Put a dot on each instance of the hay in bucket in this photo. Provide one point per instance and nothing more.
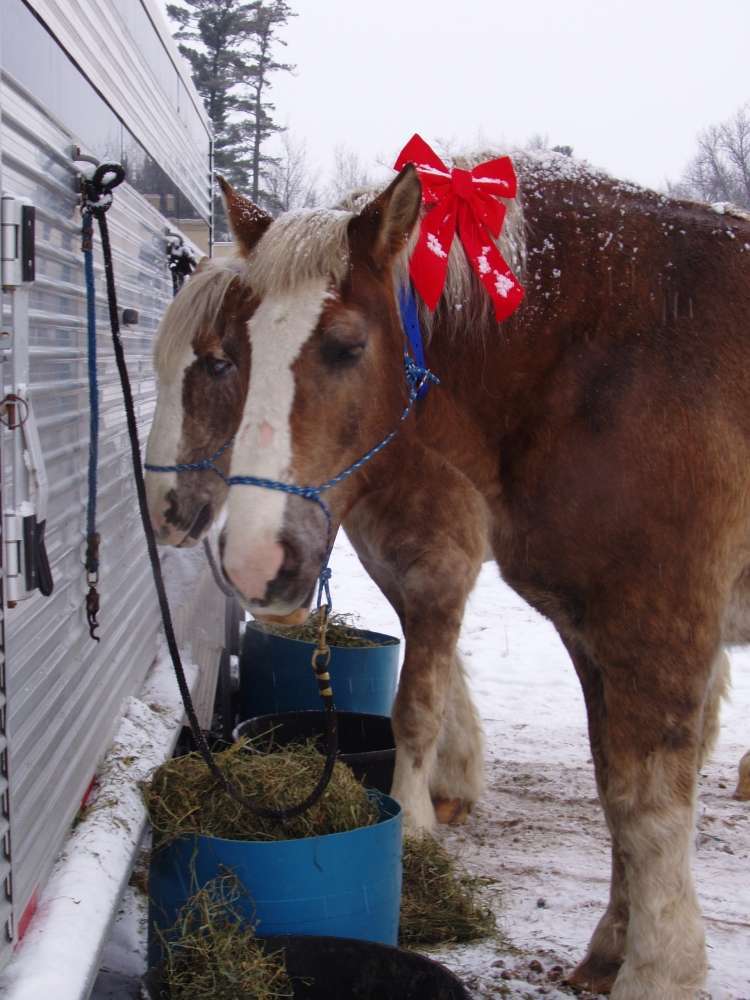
(183, 798)
(439, 903)
(212, 954)
(341, 631)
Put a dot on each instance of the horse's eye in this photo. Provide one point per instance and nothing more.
(340, 352)
(218, 367)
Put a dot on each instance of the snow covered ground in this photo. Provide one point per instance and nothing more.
(539, 833)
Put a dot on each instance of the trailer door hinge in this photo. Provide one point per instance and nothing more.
(26, 564)
(17, 252)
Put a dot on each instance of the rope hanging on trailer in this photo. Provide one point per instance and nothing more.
(96, 197)
(97, 200)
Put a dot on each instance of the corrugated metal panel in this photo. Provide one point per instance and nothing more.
(65, 692)
(117, 48)
(6, 881)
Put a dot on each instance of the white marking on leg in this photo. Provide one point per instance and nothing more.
(458, 771)
(278, 330)
(411, 789)
(665, 941)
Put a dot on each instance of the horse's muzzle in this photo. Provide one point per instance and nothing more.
(277, 576)
(177, 523)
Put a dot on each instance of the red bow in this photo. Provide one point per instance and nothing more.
(466, 200)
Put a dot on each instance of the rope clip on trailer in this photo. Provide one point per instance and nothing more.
(97, 181)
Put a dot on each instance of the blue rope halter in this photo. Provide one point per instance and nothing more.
(418, 380)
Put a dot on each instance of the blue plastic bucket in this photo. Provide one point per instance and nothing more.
(341, 969)
(276, 674)
(338, 885)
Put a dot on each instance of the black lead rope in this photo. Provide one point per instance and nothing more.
(97, 199)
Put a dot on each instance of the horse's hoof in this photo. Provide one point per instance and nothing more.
(742, 791)
(451, 811)
(595, 975)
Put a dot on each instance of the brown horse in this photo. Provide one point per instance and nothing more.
(600, 439)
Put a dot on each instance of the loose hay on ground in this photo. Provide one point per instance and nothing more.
(183, 798)
(341, 631)
(439, 904)
(211, 954)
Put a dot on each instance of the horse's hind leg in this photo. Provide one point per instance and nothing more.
(650, 737)
(742, 791)
(737, 631)
(718, 690)
(606, 952)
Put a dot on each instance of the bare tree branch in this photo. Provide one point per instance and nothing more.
(289, 181)
(720, 170)
(349, 173)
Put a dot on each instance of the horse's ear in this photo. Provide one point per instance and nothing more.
(384, 226)
(246, 220)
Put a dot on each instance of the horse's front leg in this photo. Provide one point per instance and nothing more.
(457, 778)
(419, 710)
(426, 563)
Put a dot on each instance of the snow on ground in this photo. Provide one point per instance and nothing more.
(539, 834)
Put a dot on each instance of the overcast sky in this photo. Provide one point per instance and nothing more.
(627, 83)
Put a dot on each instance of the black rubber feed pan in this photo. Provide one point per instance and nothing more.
(366, 742)
(342, 969)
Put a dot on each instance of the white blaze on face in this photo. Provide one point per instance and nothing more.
(263, 447)
(164, 437)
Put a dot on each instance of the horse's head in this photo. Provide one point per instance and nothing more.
(293, 352)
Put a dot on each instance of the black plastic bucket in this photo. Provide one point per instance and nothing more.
(342, 969)
(366, 742)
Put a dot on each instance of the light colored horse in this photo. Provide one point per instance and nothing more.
(600, 439)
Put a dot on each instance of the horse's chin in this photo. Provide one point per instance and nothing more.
(284, 612)
(286, 607)
(298, 617)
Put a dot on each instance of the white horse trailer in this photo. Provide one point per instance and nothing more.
(105, 78)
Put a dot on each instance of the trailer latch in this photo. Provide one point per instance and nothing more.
(17, 252)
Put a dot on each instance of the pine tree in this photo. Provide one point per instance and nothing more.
(269, 18)
(229, 44)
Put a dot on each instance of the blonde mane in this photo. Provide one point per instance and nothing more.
(301, 246)
(197, 307)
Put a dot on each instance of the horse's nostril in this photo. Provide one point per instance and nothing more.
(201, 521)
(292, 558)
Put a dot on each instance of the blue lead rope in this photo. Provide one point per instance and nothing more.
(418, 380)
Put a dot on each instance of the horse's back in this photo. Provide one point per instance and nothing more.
(631, 471)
